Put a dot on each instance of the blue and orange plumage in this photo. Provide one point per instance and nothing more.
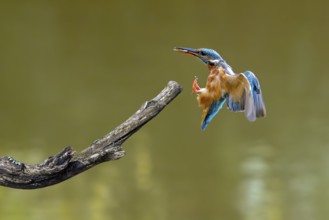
(241, 91)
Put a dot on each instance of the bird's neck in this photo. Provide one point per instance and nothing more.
(215, 68)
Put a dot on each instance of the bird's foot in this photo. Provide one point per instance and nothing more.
(195, 86)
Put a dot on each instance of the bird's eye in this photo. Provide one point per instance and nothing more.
(202, 53)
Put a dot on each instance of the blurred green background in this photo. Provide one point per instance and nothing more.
(71, 71)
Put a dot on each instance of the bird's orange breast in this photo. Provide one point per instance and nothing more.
(213, 90)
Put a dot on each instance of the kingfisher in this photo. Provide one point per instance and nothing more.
(240, 91)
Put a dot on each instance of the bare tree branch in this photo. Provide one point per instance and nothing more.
(68, 163)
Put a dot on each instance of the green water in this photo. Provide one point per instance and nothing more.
(72, 71)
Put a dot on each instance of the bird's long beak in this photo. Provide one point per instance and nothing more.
(189, 51)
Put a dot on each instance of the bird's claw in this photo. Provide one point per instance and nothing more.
(195, 86)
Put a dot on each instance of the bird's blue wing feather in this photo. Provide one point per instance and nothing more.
(236, 99)
(247, 96)
(254, 107)
(235, 106)
(213, 110)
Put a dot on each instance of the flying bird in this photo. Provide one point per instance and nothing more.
(241, 91)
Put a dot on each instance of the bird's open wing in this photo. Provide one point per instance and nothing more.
(213, 110)
(244, 94)
(256, 92)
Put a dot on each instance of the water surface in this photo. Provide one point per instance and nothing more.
(71, 72)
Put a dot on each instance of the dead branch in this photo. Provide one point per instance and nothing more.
(68, 163)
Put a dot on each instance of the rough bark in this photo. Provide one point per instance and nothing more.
(68, 163)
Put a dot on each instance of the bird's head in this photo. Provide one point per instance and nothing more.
(208, 56)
